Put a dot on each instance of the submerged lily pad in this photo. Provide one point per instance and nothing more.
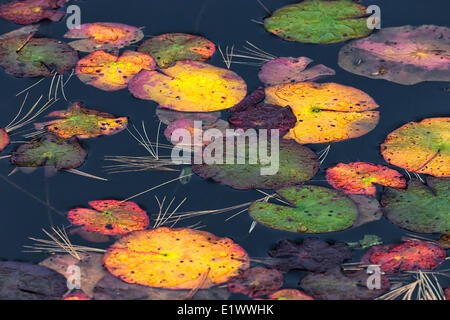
(4, 139)
(326, 112)
(315, 210)
(171, 47)
(30, 11)
(257, 281)
(50, 150)
(289, 294)
(111, 217)
(405, 55)
(420, 208)
(360, 177)
(21, 32)
(83, 123)
(167, 116)
(103, 36)
(318, 21)
(175, 258)
(108, 72)
(24, 57)
(190, 86)
(369, 209)
(421, 147)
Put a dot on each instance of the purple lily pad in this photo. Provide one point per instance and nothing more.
(30, 11)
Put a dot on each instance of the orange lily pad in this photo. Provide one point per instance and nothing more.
(326, 112)
(289, 294)
(421, 147)
(108, 72)
(175, 258)
(257, 281)
(190, 86)
(4, 139)
(111, 217)
(360, 177)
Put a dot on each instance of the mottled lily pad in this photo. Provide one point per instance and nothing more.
(30, 11)
(318, 21)
(190, 86)
(289, 294)
(257, 281)
(405, 55)
(50, 150)
(24, 57)
(314, 209)
(420, 208)
(171, 47)
(421, 147)
(4, 139)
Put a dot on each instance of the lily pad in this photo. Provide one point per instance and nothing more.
(326, 112)
(110, 217)
(103, 36)
(369, 209)
(444, 241)
(405, 55)
(83, 123)
(4, 139)
(175, 258)
(360, 177)
(257, 281)
(318, 21)
(24, 57)
(314, 209)
(21, 32)
(421, 147)
(77, 295)
(420, 208)
(289, 294)
(190, 86)
(50, 150)
(108, 72)
(171, 47)
(30, 11)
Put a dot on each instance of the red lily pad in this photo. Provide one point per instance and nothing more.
(408, 256)
(257, 281)
(110, 217)
(289, 294)
(4, 139)
(30, 11)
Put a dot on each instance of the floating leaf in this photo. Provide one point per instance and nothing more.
(289, 294)
(30, 11)
(49, 150)
(190, 86)
(27, 281)
(317, 21)
(287, 69)
(368, 241)
(408, 256)
(24, 57)
(315, 210)
(4, 139)
(167, 116)
(420, 208)
(406, 55)
(311, 255)
(326, 112)
(108, 72)
(77, 295)
(83, 123)
(444, 241)
(257, 281)
(360, 177)
(421, 147)
(103, 36)
(171, 47)
(110, 217)
(369, 209)
(21, 32)
(175, 258)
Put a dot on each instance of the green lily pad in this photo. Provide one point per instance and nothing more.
(420, 208)
(318, 21)
(315, 209)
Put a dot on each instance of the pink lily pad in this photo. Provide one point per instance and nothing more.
(30, 11)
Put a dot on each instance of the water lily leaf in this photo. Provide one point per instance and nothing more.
(368, 241)
(369, 209)
(83, 123)
(287, 69)
(421, 147)
(289, 294)
(30, 11)
(4, 139)
(405, 55)
(89, 236)
(110, 217)
(27, 281)
(23, 57)
(444, 241)
(175, 258)
(326, 112)
(190, 86)
(103, 36)
(360, 177)
(21, 32)
(77, 295)
(167, 116)
(257, 281)
(108, 72)
(408, 256)
(336, 285)
(171, 47)
(313, 255)
(318, 21)
(296, 164)
(315, 210)
(420, 208)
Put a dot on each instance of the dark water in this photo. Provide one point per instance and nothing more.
(224, 23)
